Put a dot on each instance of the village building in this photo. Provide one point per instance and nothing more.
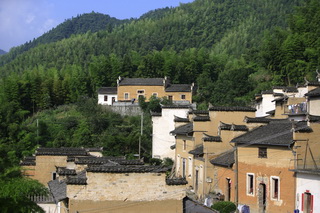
(80, 179)
(130, 89)
(162, 124)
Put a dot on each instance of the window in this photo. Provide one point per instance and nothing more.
(250, 184)
(105, 98)
(190, 167)
(184, 144)
(54, 175)
(170, 98)
(275, 188)
(262, 152)
(184, 166)
(183, 97)
(126, 96)
(140, 91)
(155, 94)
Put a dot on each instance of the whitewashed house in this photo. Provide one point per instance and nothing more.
(162, 124)
(107, 95)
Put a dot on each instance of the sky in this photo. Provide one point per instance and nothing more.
(24, 20)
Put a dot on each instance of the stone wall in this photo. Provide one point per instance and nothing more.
(125, 186)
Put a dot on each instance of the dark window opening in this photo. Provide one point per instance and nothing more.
(262, 152)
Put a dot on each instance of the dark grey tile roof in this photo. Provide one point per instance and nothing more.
(70, 151)
(313, 93)
(58, 189)
(271, 112)
(197, 151)
(94, 149)
(176, 181)
(128, 169)
(183, 130)
(179, 119)
(209, 138)
(65, 171)
(302, 126)
(28, 161)
(267, 92)
(278, 94)
(281, 99)
(79, 179)
(201, 118)
(232, 108)
(232, 127)
(128, 162)
(275, 133)
(92, 160)
(107, 90)
(290, 89)
(225, 160)
(257, 120)
(313, 83)
(178, 88)
(141, 81)
(199, 112)
(176, 106)
(156, 114)
(313, 118)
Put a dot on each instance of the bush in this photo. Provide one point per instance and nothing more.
(224, 207)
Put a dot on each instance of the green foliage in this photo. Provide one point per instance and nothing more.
(224, 207)
(155, 161)
(16, 190)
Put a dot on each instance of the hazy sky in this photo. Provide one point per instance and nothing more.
(23, 20)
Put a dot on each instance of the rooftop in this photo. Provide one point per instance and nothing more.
(179, 119)
(179, 88)
(313, 93)
(225, 160)
(201, 118)
(64, 151)
(107, 90)
(128, 169)
(232, 108)
(232, 127)
(197, 151)
(209, 138)
(141, 81)
(183, 130)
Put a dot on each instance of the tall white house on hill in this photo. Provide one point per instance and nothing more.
(163, 123)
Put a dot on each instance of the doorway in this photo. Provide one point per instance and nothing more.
(262, 196)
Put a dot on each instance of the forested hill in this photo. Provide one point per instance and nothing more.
(231, 49)
(227, 26)
(2, 52)
(80, 24)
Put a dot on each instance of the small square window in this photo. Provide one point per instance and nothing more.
(183, 97)
(262, 152)
(105, 98)
(140, 91)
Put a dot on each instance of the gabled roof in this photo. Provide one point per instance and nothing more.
(275, 133)
(141, 82)
(65, 171)
(312, 83)
(313, 93)
(58, 189)
(209, 138)
(28, 161)
(302, 126)
(257, 120)
(64, 151)
(232, 127)
(225, 160)
(232, 108)
(179, 119)
(201, 118)
(183, 130)
(197, 151)
(178, 88)
(176, 181)
(107, 90)
(313, 118)
(176, 106)
(79, 179)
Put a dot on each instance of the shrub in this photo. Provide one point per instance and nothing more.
(224, 206)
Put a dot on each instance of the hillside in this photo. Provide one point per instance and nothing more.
(2, 52)
(81, 24)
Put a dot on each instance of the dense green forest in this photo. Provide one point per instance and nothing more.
(230, 49)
